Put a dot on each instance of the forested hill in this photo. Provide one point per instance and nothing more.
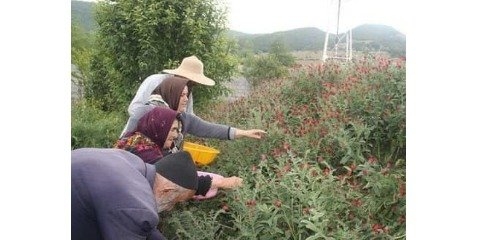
(366, 37)
(82, 13)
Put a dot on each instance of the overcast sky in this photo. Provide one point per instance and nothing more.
(264, 16)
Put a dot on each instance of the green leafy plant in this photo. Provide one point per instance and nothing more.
(272, 65)
(136, 40)
(92, 127)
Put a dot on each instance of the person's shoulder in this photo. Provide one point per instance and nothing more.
(187, 115)
(157, 76)
(141, 110)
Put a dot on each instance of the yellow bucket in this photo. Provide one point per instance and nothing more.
(202, 155)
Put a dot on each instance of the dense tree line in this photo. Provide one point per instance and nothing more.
(135, 40)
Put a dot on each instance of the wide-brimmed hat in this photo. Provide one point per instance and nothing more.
(192, 68)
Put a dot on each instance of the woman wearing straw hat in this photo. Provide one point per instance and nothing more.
(176, 90)
(173, 93)
(190, 68)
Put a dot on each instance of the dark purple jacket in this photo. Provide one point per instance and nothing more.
(112, 196)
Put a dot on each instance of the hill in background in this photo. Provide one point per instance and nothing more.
(366, 38)
(82, 13)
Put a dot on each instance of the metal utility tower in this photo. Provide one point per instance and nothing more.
(343, 43)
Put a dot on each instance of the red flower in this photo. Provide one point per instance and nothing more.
(277, 203)
(306, 210)
(356, 202)
(225, 207)
(251, 203)
(326, 171)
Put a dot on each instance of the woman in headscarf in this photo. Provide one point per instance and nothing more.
(154, 138)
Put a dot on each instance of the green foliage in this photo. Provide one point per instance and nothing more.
(371, 38)
(92, 127)
(273, 65)
(258, 68)
(281, 53)
(135, 40)
(311, 39)
(331, 167)
(81, 44)
(80, 41)
(289, 197)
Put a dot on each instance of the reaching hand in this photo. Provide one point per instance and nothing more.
(251, 133)
(232, 182)
(229, 182)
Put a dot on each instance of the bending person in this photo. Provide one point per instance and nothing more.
(115, 195)
(155, 136)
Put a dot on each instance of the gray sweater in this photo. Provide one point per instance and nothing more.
(192, 124)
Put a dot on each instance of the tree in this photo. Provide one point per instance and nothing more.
(275, 64)
(80, 53)
(80, 42)
(263, 67)
(281, 53)
(138, 38)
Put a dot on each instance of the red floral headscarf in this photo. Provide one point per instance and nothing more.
(150, 135)
(141, 146)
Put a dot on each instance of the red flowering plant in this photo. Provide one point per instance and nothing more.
(333, 165)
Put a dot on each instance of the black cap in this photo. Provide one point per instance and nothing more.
(179, 168)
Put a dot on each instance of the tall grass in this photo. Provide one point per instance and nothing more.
(92, 127)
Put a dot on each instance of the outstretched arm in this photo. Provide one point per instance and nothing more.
(209, 183)
(200, 128)
(251, 133)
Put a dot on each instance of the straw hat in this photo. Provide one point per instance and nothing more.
(192, 68)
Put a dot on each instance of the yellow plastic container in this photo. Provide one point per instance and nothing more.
(202, 155)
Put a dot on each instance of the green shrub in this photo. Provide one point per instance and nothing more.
(135, 40)
(92, 127)
(263, 67)
(273, 65)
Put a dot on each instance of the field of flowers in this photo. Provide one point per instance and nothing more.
(332, 166)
